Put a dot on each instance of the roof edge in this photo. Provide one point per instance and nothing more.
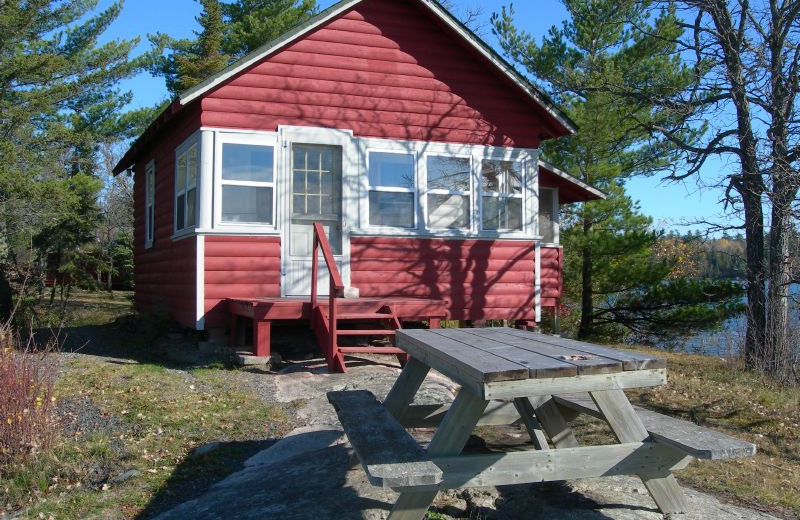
(574, 180)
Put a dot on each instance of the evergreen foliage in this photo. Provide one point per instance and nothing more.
(59, 104)
(228, 31)
(614, 271)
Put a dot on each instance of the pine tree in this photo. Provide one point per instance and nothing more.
(228, 31)
(58, 102)
(612, 268)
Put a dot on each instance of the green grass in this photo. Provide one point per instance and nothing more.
(164, 415)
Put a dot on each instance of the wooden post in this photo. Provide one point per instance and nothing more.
(261, 337)
(405, 387)
(314, 262)
(449, 440)
(628, 427)
(434, 323)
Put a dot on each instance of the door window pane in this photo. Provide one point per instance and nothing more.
(448, 173)
(247, 162)
(391, 170)
(247, 204)
(391, 209)
(448, 211)
(502, 213)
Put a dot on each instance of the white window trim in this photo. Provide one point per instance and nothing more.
(456, 154)
(258, 139)
(399, 149)
(515, 157)
(149, 186)
(554, 216)
(183, 148)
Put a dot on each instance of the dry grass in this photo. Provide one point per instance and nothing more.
(717, 394)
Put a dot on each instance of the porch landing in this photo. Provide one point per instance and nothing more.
(263, 311)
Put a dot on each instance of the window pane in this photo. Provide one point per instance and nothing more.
(181, 180)
(247, 204)
(247, 162)
(448, 173)
(150, 223)
(391, 169)
(502, 213)
(448, 211)
(180, 212)
(546, 226)
(501, 176)
(191, 196)
(191, 167)
(391, 209)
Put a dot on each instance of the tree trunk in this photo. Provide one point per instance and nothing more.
(756, 304)
(587, 294)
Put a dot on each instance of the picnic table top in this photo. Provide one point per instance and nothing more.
(488, 355)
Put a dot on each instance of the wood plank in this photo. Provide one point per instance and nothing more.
(553, 421)
(627, 427)
(462, 363)
(497, 413)
(697, 441)
(585, 363)
(579, 383)
(405, 387)
(448, 441)
(552, 465)
(390, 456)
(629, 360)
(538, 365)
(531, 423)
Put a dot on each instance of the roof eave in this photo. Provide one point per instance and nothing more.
(574, 180)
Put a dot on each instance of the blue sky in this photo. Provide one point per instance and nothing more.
(670, 204)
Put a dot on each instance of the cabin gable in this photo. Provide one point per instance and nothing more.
(382, 69)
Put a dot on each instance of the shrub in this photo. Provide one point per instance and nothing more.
(27, 419)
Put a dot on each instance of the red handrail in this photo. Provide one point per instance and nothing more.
(336, 285)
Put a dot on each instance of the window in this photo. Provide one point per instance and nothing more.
(501, 188)
(392, 192)
(548, 215)
(247, 183)
(149, 203)
(448, 192)
(186, 189)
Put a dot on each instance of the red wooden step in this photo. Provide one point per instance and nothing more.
(371, 350)
(363, 316)
(364, 332)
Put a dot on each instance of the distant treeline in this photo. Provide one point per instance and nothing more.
(724, 257)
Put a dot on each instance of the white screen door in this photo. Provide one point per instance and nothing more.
(316, 196)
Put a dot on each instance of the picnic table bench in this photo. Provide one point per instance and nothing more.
(509, 375)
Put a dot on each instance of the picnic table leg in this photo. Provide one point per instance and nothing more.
(528, 415)
(553, 421)
(627, 427)
(405, 388)
(449, 440)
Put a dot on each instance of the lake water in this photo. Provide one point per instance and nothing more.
(725, 342)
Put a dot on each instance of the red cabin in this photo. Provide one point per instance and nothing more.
(411, 143)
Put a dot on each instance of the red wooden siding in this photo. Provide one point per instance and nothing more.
(551, 259)
(478, 279)
(165, 274)
(239, 267)
(384, 69)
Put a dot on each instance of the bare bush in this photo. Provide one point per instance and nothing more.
(27, 419)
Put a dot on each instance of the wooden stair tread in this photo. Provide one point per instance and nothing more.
(364, 349)
(364, 316)
(365, 332)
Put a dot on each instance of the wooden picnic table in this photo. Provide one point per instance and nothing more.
(544, 381)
